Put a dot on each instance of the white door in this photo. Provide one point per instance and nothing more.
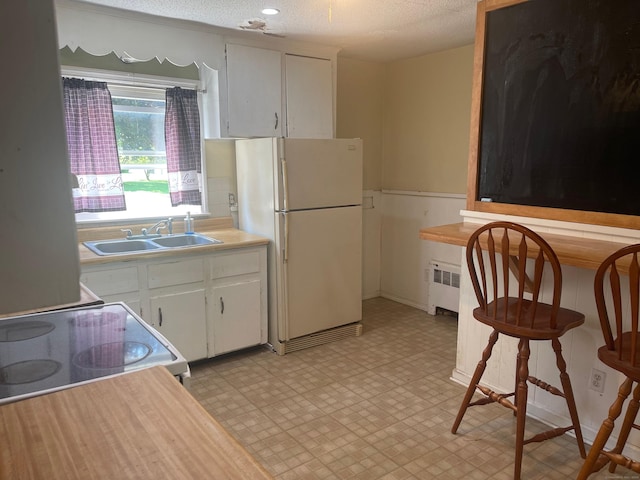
(254, 87)
(236, 316)
(321, 270)
(318, 173)
(309, 96)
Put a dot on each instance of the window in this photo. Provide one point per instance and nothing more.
(139, 120)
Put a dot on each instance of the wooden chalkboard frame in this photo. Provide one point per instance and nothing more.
(575, 216)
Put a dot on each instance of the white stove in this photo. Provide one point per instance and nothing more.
(45, 352)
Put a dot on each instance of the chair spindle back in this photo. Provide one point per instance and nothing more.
(623, 261)
(507, 246)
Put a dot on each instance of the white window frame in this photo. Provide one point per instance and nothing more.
(122, 81)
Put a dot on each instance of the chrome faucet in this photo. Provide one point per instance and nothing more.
(167, 222)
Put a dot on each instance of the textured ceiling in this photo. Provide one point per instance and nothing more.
(375, 30)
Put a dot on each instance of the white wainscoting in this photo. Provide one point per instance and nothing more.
(403, 257)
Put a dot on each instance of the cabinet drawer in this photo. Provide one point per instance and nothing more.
(236, 264)
(112, 281)
(175, 273)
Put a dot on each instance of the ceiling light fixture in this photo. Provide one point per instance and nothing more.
(270, 11)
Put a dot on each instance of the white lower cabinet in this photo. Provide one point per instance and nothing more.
(182, 319)
(205, 305)
(117, 283)
(236, 316)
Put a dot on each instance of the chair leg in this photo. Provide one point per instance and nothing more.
(629, 419)
(605, 430)
(516, 380)
(568, 393)
(521, 403)
(477, 375)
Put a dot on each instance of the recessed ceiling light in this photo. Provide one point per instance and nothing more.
(270, 11)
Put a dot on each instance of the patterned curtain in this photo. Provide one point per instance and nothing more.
(91, 140)
(182, 141)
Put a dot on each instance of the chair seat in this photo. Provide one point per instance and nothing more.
(623, 365)
(540, 330)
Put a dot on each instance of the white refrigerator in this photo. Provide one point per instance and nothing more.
(305, 195)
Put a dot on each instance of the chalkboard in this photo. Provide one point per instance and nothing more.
(560, 118)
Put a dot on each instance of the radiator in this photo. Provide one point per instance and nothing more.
(443, 287)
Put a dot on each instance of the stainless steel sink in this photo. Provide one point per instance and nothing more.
(119, 247)
(186, 240)
(124, 246)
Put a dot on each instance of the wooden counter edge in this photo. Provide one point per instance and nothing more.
(571, 250)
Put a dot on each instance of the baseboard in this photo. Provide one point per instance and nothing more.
(404, 301)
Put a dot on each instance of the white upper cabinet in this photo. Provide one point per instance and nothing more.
(254, 88)
(309, 97)
(273, 94)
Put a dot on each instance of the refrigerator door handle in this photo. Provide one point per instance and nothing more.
(285, 250)
(285, 185)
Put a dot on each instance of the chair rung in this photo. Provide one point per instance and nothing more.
(545, 386)
(492, 396)
(623, 461)
(549, 434)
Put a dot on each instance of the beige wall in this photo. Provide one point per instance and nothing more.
(413, 116)
(360, 100)
(426, 122)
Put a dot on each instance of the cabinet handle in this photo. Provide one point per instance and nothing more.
(277, 121)
(160, 316)
(221, 306)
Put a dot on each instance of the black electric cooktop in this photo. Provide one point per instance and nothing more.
(44, 352)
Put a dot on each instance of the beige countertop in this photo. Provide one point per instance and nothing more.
(140, 425)
(218, 228)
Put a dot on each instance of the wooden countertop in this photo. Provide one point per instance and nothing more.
(219, 228)
(140, 425)
(574, 251)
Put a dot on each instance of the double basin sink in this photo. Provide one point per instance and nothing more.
(141, 245)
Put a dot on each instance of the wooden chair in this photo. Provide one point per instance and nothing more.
(621, 352)
(494, 252)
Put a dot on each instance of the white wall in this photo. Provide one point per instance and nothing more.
(404, 256)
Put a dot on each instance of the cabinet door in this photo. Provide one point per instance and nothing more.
(236, 316)
(181, 318)
(309, 97)
(115, 284)
(254, 88)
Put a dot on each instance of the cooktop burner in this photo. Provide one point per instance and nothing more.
(111, 355)
(25, 330)
(28, 371)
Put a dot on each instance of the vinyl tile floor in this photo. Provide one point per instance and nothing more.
(378, 406)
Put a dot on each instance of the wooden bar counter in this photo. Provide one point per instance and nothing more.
(140, 425)
(573, 251)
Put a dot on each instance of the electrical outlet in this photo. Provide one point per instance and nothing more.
(596, 382)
